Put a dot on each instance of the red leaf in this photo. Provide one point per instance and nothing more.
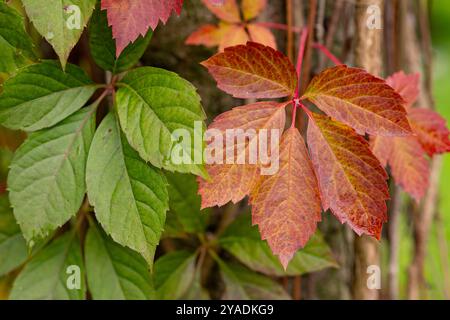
(360, 100)
(232, 182)
(252, 8)
(405, 85)
(351, 179)
(208, 35)
(286, 206)
(407, 161)
(131, 18)
(262, 35)
(253, 71)
(233, 36)
(226, 10)
(431, 130)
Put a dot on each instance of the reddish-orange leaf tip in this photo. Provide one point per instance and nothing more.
(405, 85)
(431, 130)
(286, 205)
(233, 181)
(208, 35)
(351, 180)
(360, 100)
(131, 18)
(253, 71)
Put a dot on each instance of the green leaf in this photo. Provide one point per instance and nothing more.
(195, 290)
(47, 176)
(129, 196)
(152, 103)
(60, 22)
(16, 48)
(243, 284)
(174, 273)
(41, 95)
(48, 274)
(184, 203)
(244, 242)
(103, 46)
(115, 272)
(13, 248)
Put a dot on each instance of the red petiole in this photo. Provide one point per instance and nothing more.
(296, 101)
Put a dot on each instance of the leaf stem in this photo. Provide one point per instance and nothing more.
(327, 53)
(301, 52)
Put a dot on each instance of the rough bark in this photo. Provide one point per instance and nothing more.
(368, 55)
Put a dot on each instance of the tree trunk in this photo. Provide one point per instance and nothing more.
(368, 55)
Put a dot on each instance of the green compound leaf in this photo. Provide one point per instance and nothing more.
(174, 273)
(129, 196)
(16, 47)
(13, 248)
(243, 284)
(41, 95)
(52, 274)
(47, 176)
(152, 104)
(244, 242)
(196, 290)
(115, 272)
(184, 204)
(60, 22)
(103, 46)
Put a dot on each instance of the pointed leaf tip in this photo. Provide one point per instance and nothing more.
(253, 71)
(360, 100)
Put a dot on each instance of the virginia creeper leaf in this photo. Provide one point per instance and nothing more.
(129, 196)
(195, 290)
(184, 202)
(153, 103)
(360, 100)
(252, 8)
(261, 35)
(286, 206)
(232, 181)
(46, 179)
(253, 71)
(13, 248)
(405, 85)
(131, 18)
(243, 284)
(208, 35)
(351, 180)
(232, 36)
(174, 273)
(226, 10)
(244, 242)
(45, 277)
(60, 22)
(42, 94)
(431, 130)
(103, 46)
(16, 47)
(406, 158)
(114, 272)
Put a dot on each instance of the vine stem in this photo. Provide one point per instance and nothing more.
(327, 53)
(301, 53)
